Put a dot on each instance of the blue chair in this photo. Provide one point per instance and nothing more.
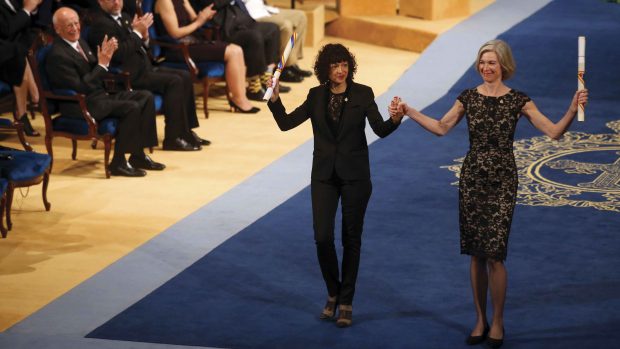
(7, 105)
(23, 169)
(207, 72)
(74, 127)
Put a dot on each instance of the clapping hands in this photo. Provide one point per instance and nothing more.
(142, 24)
(106, 50)
(31, 5)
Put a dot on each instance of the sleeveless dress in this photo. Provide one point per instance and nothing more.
(488, 180)
(200, 49)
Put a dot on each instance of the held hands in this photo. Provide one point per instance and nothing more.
(142, 24)
(276, 89)
(397, 109)
(396, 113)
(580, 97)
(106, 50)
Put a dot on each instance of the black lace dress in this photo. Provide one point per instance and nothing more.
(488, 180)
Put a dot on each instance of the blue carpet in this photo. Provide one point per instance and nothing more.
(262, 288)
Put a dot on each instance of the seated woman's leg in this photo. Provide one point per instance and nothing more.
(235, 76)
(21, 100)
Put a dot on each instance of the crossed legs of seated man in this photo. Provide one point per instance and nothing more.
(289, 21)
(177, 90)
(135, 111)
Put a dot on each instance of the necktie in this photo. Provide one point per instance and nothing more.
(79, 48)
(242, 6)
(119, 20)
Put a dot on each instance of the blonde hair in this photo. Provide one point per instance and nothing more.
(504, 56)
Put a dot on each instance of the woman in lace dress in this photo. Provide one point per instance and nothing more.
(488, 181)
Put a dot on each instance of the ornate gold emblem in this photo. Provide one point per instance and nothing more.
(580, 170)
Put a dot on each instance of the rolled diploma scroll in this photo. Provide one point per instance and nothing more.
(276, 74)
(581, 69)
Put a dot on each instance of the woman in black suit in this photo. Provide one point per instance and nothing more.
(338, 109)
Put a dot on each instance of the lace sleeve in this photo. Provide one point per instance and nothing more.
(464, 97)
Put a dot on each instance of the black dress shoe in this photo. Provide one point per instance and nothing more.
(496, 343)
(284, 89)
(256, 95)
(288, 75)
(178, 144)
(473, 340)
(145, 162)
(299, 71)
(28, 130)
(126, 170)
(199, 140)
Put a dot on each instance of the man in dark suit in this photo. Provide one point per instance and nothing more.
(71, 65)
(16, 26)
(175, 85)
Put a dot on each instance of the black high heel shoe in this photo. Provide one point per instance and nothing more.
(236, 109)
(473, 340)
(28, 129)
(496, 343)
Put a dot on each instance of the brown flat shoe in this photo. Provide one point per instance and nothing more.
(329, 311)
(345, 316)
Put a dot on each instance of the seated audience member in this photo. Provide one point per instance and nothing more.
(16, 26)
(177, 19)
(175, 86)
(260, 41)
(70, 64)
(289, 21)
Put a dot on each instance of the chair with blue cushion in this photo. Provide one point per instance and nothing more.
(23, 169)
(74, 127)
(206, 72)
(7, 105)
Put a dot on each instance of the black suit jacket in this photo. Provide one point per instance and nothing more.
(131, 55)
(230, 18)
(12, 62)
(15, 27)
(67, 69)
(347, 152)
(13, 23)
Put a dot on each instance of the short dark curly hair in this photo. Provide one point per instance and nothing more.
(330, 54)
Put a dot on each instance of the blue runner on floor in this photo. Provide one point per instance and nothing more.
(263, 289)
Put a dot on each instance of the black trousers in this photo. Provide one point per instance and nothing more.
(177, 90)
(136, 113)
(260, 45)
(354, 195)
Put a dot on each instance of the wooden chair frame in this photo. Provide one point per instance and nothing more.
(80, 99)
(7, 104)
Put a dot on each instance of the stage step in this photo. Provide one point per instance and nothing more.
(395, 31)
